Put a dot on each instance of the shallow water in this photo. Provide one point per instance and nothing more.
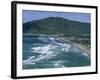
(51, 52)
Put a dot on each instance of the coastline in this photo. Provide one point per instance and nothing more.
(84, 48)
(81, 46)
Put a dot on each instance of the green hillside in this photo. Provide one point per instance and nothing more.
(56, 26)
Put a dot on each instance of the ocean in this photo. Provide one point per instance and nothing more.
(44, 51)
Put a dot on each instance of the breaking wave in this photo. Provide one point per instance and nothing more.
(50, 51)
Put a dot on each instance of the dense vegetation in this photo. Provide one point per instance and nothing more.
(56, 25)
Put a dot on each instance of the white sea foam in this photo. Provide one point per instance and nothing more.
(52, 39)
(85, 54)
(43, 57)
(60, 44)
(43, 38)
(42, 49)
(29, 60)
(36, 49)
(46, 52)
(58, 64)
(66, 47)
(31, 57)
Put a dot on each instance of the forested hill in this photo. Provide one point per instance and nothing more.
(56, 25)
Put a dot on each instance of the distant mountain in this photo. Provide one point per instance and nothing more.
(56, 25)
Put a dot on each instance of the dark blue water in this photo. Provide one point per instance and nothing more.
(51, 52)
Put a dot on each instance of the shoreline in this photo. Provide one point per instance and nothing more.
(82, 47)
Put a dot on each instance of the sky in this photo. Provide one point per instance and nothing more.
(29, 15)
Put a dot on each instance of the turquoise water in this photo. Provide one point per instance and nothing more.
(51, 52)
